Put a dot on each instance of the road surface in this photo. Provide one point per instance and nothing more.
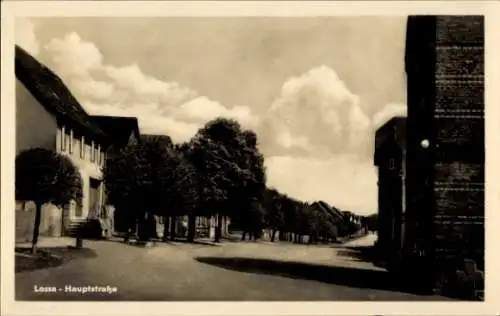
(229, 272)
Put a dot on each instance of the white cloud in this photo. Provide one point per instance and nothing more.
(388, 112)
(73, 56)
(132, 78)
(161, 107)
(25, 35)
(316, 110)
(94, 89)
(315, 136)
(204, 109)
(149, 122)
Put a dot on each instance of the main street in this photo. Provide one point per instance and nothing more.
(231, 271)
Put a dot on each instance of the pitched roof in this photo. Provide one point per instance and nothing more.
(50, 91)
(118, 128)
(330, 209)
(398, 126)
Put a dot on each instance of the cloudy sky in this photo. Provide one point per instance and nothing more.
(313, 89)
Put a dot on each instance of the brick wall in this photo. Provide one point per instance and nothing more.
(445, 182)
(459, 120)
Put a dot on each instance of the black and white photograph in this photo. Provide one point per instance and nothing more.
(219, 158)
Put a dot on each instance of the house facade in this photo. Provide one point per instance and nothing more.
(48, 116)
(390, 153)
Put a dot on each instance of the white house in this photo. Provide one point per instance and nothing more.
(48, 116)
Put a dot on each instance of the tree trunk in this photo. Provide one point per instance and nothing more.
(173, 221)
(243, 235)
(79, 239)
(140, 229)
(36, 228)
(191, 227)
(218, 228)
(128, 227)
(152, 227)
(273, 235)
(256, 235)
(223, 232)
(143, 229)
(165, 229)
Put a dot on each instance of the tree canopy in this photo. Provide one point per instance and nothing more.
(219, 172)
(44, 176)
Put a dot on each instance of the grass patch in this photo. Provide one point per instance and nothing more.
(48, 257)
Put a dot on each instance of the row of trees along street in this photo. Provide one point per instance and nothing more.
(218, 173)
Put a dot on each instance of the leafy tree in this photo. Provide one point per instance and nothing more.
(121, 175)
(275, 218)
(228, 164)
(183, 193)
(43, 176)
(213, 181)
(142, 178)
(249, 195)
(157, 165)
(187, 188)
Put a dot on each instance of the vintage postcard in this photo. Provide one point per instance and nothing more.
(250, 158)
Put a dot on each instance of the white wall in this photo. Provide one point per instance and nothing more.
(35, 126)
(88, 168)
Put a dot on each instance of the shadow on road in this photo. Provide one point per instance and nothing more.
(48, 257)
(353, 277)
(361, 253)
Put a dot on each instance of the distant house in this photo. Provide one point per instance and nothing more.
(48, 116)
(332, 213)
(122, 131)
(390, 152)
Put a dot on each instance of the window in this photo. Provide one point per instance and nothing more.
(78, 210)
(82, 147)
(88, 151)
(67, 141)
(70, 142)
(77, 145)
(92, 152)
(63, 139)
(102, 158)
(98, 154)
